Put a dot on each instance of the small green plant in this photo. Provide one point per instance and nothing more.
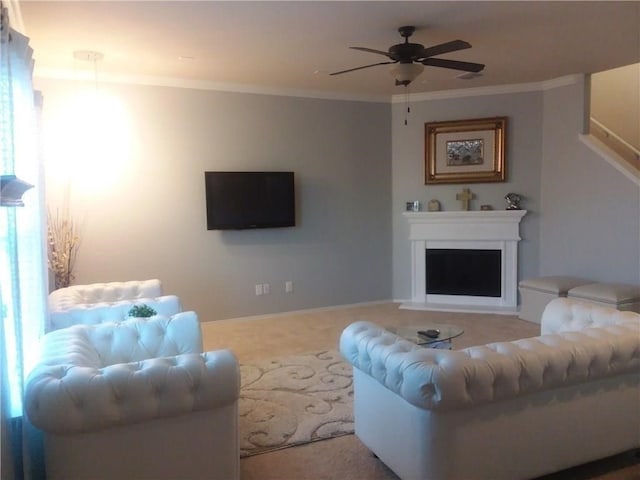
(142, 311)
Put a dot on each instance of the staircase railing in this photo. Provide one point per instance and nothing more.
(614, 149)
(615, 142)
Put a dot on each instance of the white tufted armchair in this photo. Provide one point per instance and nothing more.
(510, 410)
(106, 302)
(136, 400)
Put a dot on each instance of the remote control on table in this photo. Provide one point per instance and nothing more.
(431, 333)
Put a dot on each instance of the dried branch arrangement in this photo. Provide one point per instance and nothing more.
(63, 243)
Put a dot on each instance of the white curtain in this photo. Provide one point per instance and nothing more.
(23, 271)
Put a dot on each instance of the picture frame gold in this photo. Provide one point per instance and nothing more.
(465, 151)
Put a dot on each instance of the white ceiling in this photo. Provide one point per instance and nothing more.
(292, 46)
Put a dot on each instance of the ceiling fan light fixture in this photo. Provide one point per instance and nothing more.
(405, 73)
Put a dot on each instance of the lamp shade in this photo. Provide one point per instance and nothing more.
(405, 73)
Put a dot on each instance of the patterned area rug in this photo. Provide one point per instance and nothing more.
(294, 400)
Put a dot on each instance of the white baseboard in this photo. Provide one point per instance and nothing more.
(303, 311)
(444, 307)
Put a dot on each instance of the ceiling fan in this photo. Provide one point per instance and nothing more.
(410, 58)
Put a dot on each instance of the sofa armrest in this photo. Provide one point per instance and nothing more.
(66, 399)
(446, 380)
(104, 312)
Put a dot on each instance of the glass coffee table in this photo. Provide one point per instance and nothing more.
(430, 335)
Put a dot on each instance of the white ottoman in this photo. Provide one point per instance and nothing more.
(614, 295)
(535, 293)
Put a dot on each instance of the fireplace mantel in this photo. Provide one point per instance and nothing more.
(484, 229)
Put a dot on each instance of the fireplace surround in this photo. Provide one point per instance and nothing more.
(493, 236)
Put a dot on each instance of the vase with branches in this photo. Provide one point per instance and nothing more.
(63, 238)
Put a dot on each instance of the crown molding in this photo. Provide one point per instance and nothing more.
(174, 82)
(563, 81)
(491, 90)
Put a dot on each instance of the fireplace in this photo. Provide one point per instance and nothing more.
(451, 271)
(464, 261)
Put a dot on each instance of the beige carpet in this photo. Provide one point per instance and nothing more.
(294, 400)
(345, 457)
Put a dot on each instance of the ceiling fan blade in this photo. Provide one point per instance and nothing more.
(360, 68)
(371, 50)
(454, 64)
(452, 46)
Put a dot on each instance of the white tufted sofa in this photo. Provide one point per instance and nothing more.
(136, 399)
(511, 410)
(106, 302)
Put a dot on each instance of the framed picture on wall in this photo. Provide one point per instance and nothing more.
(465, 151)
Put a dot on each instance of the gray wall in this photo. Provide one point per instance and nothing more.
(583, 215)
(151, 222)
(356, 165)
(590, 225)
(523, 154)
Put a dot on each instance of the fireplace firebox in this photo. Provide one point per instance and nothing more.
(463, 272)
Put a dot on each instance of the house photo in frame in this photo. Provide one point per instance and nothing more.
(465, 151)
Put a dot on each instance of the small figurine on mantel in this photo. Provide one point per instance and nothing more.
(465, 197)
(513, 201)
(433, 205)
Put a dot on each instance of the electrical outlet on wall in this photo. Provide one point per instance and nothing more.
(259, 289)
(288, 286)
(266, 288)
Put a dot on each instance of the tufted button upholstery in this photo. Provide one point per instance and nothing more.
(106, 302)
(565, 315)
(603, 343)
(449, 415)
(66, 298)
(93, 377)
(104, 312)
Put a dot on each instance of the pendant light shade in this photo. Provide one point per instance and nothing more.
(405, 73)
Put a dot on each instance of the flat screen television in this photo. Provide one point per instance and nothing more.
(243, 200)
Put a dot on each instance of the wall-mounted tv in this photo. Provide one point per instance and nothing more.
(242, 200)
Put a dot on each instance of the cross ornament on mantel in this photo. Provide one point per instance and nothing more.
(465, 197)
